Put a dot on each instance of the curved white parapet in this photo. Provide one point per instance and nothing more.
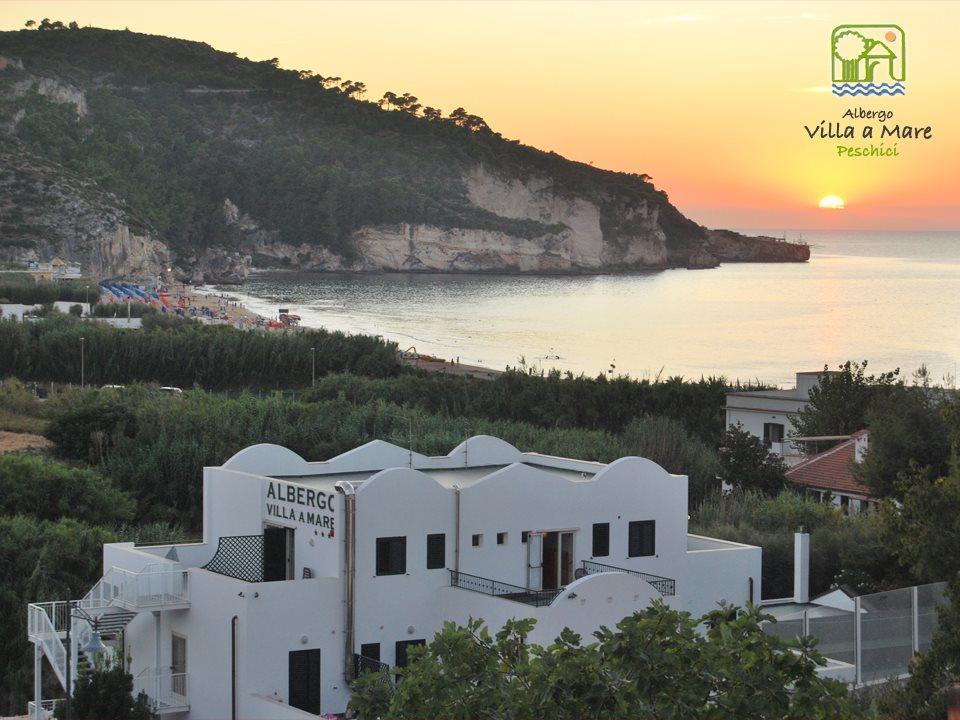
(267, 459)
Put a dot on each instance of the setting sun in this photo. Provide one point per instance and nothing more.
(832, 202)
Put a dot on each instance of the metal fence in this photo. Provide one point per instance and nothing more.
(878, 636)
(663, 585)
(517, 593)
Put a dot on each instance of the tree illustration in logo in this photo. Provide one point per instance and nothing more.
(850, 47)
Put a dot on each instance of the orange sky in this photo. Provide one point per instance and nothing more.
(709, 98)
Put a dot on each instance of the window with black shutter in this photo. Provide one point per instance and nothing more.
(402, 649)
(391, 555)
(304, 680)
(601, 539)
(641, 540)
(436, 551)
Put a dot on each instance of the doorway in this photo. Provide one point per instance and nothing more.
(178, 664)
(556, 566)
(277, 553)
(304, 680)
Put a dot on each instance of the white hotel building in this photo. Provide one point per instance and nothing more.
(308, 570)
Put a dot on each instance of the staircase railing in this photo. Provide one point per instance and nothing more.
(663, 585)
(517, 593)
(41, 629)
(119, 588)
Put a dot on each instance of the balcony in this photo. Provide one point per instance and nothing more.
(151, 589)
(663, 585)
(47, 709)
(536, 598)
(167, 691)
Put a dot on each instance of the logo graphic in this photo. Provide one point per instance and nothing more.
(868, 60)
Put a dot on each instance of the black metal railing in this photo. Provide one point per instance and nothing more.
(663, 585)
(238, 556)
(517, 593)
(362, 664)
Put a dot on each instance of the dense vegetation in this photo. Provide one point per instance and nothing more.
(852, 550)
(22, 288)
(553, 400)
(175, 127)
(183, 353)
(188, 354)
(155, 446)
(654, 664)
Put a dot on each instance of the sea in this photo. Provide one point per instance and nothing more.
(891, 298)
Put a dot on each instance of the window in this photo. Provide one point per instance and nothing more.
(403, 646)
(772, 433)
(501, 538)
(524, 535)
(371, 651)
(436, 551)
(391, 555)
(304, 680)
(601, 539)
(476, 540)
(641, 540)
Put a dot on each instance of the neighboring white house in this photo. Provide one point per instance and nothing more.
(309, 571)
(769, 414)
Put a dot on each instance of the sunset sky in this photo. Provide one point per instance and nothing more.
(708, 98)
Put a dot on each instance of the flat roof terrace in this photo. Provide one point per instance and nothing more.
(448, 477)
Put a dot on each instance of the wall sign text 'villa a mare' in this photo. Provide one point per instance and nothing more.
(883, 131)
(283, 495)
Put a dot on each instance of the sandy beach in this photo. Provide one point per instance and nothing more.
(221, 303)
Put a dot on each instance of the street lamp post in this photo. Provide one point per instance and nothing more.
(313, 367)
(82, 368)
(93, 649)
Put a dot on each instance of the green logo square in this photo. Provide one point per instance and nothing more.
(868, 59)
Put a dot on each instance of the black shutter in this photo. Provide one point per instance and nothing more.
(391, 556)
(401, 649)
(641, 540)
(649, 537)
(601, 539)
(304, 680)
(436, 551)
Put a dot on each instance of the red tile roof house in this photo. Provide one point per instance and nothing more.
(831, 474)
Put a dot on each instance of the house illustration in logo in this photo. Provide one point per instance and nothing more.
(868, 60)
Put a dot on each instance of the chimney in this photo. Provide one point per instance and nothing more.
(801, 568)
(861, 441)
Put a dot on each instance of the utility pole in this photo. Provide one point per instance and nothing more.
(82, 368)
(313, 367)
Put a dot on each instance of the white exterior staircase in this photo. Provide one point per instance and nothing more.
(112, 603)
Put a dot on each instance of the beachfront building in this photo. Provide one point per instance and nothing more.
(768, 414)
(310, 572)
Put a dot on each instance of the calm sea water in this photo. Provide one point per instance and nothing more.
(891, 298)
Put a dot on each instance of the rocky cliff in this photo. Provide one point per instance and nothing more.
(214, 165)
(47, 211)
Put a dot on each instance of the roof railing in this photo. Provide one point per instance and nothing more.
(663, 585)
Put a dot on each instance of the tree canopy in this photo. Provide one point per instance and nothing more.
(655, 664)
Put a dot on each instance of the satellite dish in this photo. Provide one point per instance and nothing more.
(579, 573)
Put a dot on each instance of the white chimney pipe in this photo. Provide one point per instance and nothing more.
(801, 568)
